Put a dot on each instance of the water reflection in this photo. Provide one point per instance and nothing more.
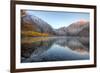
(42, 49)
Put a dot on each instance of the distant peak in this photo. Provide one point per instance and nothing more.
(82, 21)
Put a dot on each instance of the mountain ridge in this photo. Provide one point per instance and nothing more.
(36, 24)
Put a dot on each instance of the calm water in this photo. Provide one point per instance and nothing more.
(42, 49)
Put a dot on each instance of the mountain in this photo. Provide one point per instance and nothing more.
(34, 24)
(79, 28)
(84, 31)
(61, 31)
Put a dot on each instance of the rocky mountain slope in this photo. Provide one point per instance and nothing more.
(75, 29)
(35, 26)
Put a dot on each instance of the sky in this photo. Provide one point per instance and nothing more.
(59, 19)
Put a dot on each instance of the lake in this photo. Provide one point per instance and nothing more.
(45, 49)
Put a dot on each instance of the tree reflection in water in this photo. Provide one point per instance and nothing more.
(42, 49)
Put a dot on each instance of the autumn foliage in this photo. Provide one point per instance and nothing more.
(33, 33)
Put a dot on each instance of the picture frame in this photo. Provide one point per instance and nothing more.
(18, 64)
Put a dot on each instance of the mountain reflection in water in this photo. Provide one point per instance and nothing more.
(43, 49)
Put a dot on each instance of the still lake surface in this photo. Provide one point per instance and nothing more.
(44, 49)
